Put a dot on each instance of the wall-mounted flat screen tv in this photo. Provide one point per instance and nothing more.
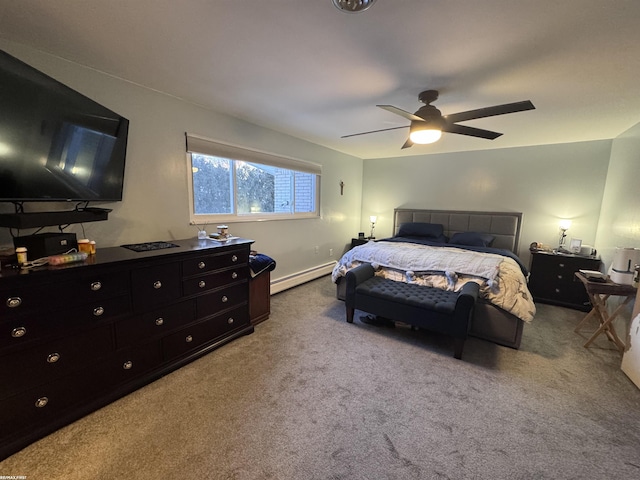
(55, 143)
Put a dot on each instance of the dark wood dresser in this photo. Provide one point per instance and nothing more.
(76, 337)
(553, 279)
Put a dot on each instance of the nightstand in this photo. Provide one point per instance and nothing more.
(553, 279)
(358, 241)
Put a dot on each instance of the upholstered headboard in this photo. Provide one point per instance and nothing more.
(504, 226)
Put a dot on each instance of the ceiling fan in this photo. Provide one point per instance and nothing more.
(428, 123)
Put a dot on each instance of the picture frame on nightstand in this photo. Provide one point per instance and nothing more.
(575, 245)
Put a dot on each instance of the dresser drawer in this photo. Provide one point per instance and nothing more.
(569, 292)
(62, 292)
(561, 270)
(23, 299)
(20, 330)
(129, 363)
(155, 286)
(211, 281)
(47, 402)
(207, 263)
(53, 359)
(158, 322)
(223, 299)
(95, 286)
(199, 334)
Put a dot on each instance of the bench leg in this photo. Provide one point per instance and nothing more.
(458, 346)
(350, 313)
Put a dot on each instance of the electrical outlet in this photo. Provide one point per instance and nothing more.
(331, 252)
(317, 249)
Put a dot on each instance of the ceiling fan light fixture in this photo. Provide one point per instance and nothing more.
(424, 134)
(428, 123)
(353, 6)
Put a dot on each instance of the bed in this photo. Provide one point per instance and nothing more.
(446, 249)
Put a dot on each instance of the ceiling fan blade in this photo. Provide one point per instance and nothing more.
(373, 131)
(402, 113)
(490, 111)
(470, 131)
(408, 143)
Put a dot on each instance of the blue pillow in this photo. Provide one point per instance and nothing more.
(418, 229)
(425, 240)
(472, 239)
(440, 239)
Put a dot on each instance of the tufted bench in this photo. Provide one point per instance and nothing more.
(417, 305)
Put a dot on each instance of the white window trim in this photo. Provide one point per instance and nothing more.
(205, 146)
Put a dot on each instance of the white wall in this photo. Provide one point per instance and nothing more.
(545, 183)
(155, 204)
(619, 224)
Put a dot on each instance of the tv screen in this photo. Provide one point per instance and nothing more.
(55, 143)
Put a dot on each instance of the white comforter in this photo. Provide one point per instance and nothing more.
(500, 278)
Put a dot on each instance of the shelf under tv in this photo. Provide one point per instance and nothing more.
(45, 219)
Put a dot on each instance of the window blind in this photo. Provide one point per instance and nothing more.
(197, 144)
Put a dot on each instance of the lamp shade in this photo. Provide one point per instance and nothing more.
(565, 224)
(373, 219)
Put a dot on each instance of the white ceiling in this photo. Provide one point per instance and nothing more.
(304, 68)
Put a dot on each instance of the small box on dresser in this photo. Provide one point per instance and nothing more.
(553, 281)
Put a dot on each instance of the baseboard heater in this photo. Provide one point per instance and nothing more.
(299, 278)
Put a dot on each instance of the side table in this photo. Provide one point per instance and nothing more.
(358, 241)
(260, 297)
(552, 279)
(598, 293)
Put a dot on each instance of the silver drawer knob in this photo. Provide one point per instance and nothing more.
(230, 320)
(234, 275)
(157, 284)
(561, 265)
(13, 302)
(202, 284)
(42, 402)
(95, 286)
(557, 290)
(224, 299)
(18, 332)
(127, 365)
(188, 339)
(159, 321)
(234, 258)
(98, 311)
(559, 277)
(201, 265)
(53, 357)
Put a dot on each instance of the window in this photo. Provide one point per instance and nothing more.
(230, 183)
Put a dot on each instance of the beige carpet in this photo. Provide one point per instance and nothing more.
(308, 396)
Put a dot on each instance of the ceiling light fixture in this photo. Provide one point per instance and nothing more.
(423, 133)
(353, 6)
